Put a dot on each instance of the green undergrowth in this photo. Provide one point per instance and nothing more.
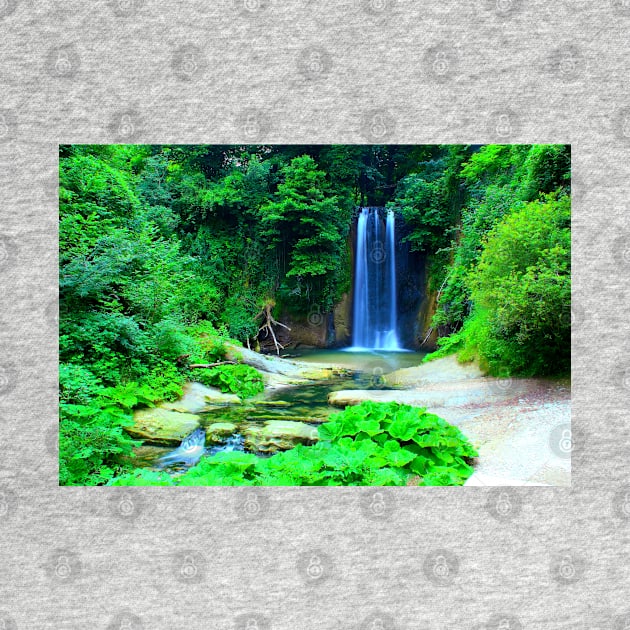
(95, 407)
(371, 444)
(242, 380)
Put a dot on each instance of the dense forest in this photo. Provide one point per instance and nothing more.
(170, 252)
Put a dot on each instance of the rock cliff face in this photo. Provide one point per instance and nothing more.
(416, 307)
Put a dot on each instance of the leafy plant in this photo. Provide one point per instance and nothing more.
(243, 380)
(376, 444)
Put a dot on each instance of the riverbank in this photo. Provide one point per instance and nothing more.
(512, 422)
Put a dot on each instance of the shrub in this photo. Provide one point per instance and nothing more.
(243, 380)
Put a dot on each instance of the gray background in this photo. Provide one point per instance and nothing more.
(364, 71)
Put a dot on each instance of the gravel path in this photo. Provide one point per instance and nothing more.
(521, 427)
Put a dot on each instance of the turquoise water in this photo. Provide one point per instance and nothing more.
(365, 361)
(307, 403)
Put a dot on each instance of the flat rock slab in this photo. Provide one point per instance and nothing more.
(198, 398)
(162, 426)
(218, 431)
(278, 435)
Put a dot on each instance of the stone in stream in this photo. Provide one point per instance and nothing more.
(198, 398)
(278, 435)
(218, 431)
(162, 426)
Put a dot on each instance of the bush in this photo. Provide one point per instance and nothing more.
(242, 380)
(523, 288)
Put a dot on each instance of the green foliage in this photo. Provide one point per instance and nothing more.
(375, 444)
(304, 220)
(167, 253)
(523, 283)
(242, 380)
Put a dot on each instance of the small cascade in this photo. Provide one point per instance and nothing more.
(375, 315)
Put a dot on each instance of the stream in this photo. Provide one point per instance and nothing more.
(304, 403)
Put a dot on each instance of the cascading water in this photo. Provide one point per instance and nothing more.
(374, 316)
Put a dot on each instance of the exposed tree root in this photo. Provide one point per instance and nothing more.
(269, 323)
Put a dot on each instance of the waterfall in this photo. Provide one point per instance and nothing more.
(374, 314)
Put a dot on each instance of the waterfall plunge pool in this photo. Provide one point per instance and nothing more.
(306, 404)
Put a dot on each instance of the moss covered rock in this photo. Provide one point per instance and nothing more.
(218, 431)
(162, 426)
(278, 435)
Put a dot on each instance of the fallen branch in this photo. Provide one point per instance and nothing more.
(211, 365)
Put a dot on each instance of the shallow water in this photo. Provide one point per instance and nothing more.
(362, 360)
(306, 403)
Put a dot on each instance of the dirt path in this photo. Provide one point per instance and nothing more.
(521, 427)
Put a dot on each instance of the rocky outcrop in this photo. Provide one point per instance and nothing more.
(198, 398)
(162, 426)
(278, 435)
(342, 318)
(218, 431)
